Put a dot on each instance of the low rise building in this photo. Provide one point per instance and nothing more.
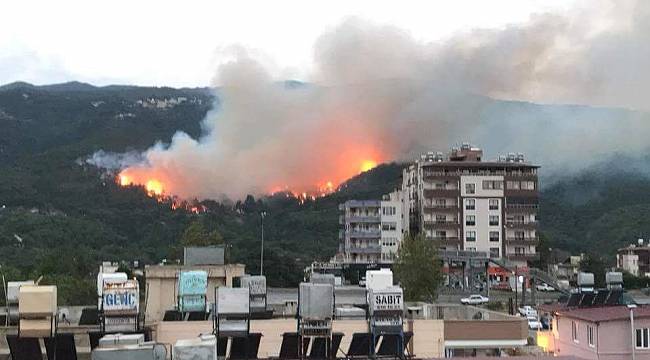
(634, 259)
(162, 285)
(599, 332)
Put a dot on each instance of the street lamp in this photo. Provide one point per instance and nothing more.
(262, 215)
(632, 307)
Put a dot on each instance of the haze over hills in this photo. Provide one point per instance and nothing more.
(61, 207)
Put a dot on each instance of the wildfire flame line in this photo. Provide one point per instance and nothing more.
(157, 188)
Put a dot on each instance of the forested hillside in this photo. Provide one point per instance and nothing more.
(59, 216)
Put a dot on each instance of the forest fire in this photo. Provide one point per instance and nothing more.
(167, 188)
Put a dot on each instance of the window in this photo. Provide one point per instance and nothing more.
(590, 336)
(440, 202)
(470, 188)
(470, 220)
(574, 331)
(494, 220)
(441, 218)
(470, 236)
(388, 226)
(492, 185)
(494, 252)
(494, 236)
(494, 204)
(519, 235)
(471, 249)
(520, 250)
(388, 210)
(512, 185)
(642, 338)
(527, 185)
(470, 204)
(441, 234)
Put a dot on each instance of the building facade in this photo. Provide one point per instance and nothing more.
(604, 333)
(464, 203)
(372, 230)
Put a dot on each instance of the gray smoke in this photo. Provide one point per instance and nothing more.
(378, 94)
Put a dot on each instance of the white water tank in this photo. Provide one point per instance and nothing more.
(379, 279)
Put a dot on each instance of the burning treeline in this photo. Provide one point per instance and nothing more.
(376, 94)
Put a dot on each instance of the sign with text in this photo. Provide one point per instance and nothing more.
(192, 290)
(387, 300)
(121, 298)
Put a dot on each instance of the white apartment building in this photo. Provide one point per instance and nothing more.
(464, 203)
(372, 230)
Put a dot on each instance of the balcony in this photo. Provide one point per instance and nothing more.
(522, 208)
(362, 218)
(446, 240)
(365, 234)
(529, 240)
(432, 206)
(370, 249)
(447, 224)
(522, 224)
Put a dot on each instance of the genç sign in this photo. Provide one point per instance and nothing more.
(123, 297)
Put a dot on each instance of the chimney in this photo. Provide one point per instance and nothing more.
(614, 280)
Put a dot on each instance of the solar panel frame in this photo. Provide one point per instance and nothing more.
(574, 300)
(614, 297)
(587, 299)
(601, 297)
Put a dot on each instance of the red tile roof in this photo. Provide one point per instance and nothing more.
(603, 313)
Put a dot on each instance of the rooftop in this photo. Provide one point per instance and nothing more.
(599, 313)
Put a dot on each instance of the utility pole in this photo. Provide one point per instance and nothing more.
(632, 307)
(262, 215)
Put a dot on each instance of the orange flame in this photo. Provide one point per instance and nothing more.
(367, 165)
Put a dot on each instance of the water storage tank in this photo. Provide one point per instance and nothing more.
(203, 347)
(379, 279)
(316, 301)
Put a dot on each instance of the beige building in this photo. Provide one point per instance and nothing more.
(462, 202)
(162, 287)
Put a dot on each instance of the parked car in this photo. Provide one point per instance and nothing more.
(474, 300)
(528, 311)
(533, 323)
(545, 287)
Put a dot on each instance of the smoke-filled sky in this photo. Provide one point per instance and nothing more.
(376, 92)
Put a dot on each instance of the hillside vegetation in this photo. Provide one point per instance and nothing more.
(59, 216)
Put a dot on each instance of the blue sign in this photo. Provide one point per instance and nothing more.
(192, 289)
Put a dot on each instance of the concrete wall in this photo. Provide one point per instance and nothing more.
(162, 287)
(427, 341)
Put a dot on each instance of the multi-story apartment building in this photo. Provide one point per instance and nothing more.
(372, 230)
(464, 203)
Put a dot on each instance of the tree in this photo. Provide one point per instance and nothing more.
(197, 235)
(418, 268)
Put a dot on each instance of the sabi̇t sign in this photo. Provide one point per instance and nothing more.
(387, 301)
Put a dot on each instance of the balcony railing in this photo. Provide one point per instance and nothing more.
(364, 249)
(515, 224)
(362, 218)
(444, 238)
(522, 206)
(364, 234)
(529, 240)
(446, 223)
(440, 206)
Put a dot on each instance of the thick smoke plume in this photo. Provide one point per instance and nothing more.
(377, 94)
